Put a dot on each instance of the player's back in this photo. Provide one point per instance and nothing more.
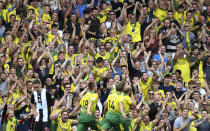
(113, 102)
(88, 97)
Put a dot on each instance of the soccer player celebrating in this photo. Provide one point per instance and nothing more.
(127, 102)
(114, 104)
(88, 107)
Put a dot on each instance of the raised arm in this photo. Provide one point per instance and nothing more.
(39, 59)
(91, 4)
(161, 60)
(138, 52)
(75, 110)
(147, 59)
(75, 7)
(149, 26)
(73, 33)
(135, 8)
(113, 62)
(206, 84)
(92, 51)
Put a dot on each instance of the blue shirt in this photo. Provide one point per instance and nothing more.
(118, 70)
(80, 8)
(157, 57)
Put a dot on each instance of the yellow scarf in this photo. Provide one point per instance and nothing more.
(188, 41)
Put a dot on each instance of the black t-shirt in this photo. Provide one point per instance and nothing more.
(115, 6)
(153, 110)
(94, 27)
(70, 28)
(166, 89)
(178, 93)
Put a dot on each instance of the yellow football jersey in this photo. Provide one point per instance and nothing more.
(64, 126)
(134, 30)
(146, 87)
(11, 124)
(126, 103)
(90, 96)
(113, 102)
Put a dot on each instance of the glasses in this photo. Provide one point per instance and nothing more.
(151, 93)
(102, 48)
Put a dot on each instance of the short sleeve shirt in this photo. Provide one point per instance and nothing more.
(64, 126)
(179, 122)
(205, 126)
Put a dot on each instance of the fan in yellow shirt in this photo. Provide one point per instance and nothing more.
(133, 28)
(178, 14)
(146, 84)
(189, 19)
(100, 70)
(195, 77)
(14, 93)
(182, 63)
(146, 124)
(53, 35)
(64, 124)
(160, 10)
(155, 86)
(12, 122)
(192, 128)
(169, 101)
(102, 53)
(34, 5)
(46, 14)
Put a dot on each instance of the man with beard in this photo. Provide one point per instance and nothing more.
(64, 123)
(203, 124)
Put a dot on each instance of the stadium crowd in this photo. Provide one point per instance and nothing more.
(105, 65)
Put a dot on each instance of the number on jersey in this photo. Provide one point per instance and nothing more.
(111, 104)
(85, 104)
